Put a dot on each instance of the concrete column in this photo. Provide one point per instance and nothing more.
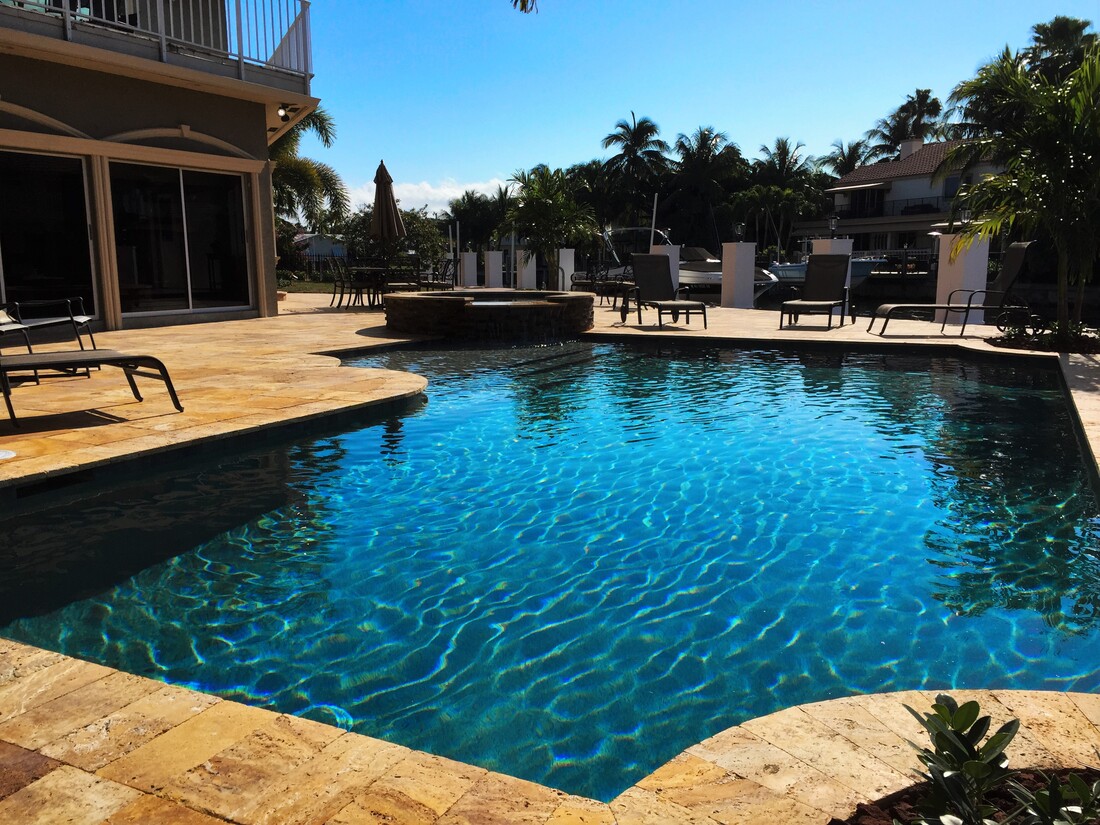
(738, 274)
(673, 252)
(835, 246)
(525, 277)
(467, 268)
(567, 260)
(970, 270)
(494, 268)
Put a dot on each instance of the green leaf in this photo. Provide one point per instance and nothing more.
(1000, 740)
(965, 716)
(976, 769)
(980, 729)
(1080, 788)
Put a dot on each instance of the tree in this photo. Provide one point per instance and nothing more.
(783, 165)
(708, 166)
(547, 215)
(915, 119)
(476, 217)
(304, 188)
(1047, 136)
(845, 157)
(422, 236)
(639, 162)
(526, 6)
(1058, 47)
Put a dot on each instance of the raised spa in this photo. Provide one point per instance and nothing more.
(492, 314)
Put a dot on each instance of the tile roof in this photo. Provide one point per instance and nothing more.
(921, 163)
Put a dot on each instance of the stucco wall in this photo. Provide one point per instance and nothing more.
(100, 104)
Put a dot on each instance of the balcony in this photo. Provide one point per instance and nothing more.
(896, 208)
(259, 41)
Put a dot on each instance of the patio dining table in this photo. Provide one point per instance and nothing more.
(368, 279)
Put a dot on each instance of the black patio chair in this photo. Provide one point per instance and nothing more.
(824, 290)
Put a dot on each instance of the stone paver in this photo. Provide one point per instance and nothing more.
(83, 743)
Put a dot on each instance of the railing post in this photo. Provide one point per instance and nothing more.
(307, 40)
(240, 40)
(160, 31)
(67, 17)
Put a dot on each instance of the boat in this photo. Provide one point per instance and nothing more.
(795, 273)
(699, 270)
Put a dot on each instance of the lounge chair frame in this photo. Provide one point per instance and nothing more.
(1008, 308)
(824, 290)
(653, 289)
(145, 366)
(65, 312)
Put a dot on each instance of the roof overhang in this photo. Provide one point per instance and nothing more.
(855, 186)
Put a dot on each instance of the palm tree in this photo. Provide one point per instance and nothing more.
(708, 164)
(783, 165)
(845, 157)
(476, 217)
(1047, 135)
(916, 118)
(1058, 46)
(547, 215)
(640, 160)
(305, 188)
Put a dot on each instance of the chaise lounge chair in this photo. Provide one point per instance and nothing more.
(145, 366)
(962, 301)
(825, 289)
(653, 288)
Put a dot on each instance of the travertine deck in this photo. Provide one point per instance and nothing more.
(81, 743)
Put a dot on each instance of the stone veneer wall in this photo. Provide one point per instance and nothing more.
(535, 317)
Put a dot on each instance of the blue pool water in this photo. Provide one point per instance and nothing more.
(573, 562)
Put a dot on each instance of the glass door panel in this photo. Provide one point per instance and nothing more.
(216, 245)
(44, 248)
(149, 238)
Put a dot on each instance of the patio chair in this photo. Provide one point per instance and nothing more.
(340, 279)
(54, 312)
(653, 289)
(824, 290)
(145, 366)
(9, 324)
(1007, 308)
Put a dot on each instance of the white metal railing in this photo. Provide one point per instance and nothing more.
(269, 33)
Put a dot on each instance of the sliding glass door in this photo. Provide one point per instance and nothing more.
(179, 239)
(45, 251)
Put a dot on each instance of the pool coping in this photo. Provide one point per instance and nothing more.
(201, 759)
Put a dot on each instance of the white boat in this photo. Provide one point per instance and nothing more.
(796, 273)
(700, 271)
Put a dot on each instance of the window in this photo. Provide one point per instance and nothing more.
(45, 251)
(179, 238)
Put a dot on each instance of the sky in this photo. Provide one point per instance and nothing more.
(460, 94)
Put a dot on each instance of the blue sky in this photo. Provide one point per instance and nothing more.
(459, 94)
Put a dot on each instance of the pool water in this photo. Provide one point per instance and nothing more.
(575, 561)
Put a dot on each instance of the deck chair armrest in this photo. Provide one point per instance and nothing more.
(67, 303)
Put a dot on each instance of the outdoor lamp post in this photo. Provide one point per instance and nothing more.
(738, 231)
(833, 221)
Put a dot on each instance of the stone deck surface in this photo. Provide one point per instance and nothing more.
(82, 743)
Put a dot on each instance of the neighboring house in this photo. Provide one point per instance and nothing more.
(894, 204)
(134, 142)
(314, 245)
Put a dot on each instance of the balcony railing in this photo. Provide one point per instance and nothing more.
(897, 208)
(272, 35)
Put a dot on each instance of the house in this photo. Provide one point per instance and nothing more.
(315, 245)
(895, 205)
(134, 141)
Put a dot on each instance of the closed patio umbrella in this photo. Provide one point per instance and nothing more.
(386, 224)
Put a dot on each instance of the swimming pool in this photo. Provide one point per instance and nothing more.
(574, 561)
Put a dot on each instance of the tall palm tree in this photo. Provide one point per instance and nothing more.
(304, 188)
(708, 164)
(782, 165)
(1058, 46)
(845, 157)
(916, 118)
(1047, 135)
(640, 159)
(547, 215)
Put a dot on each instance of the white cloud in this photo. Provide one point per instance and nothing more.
(435, 196)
